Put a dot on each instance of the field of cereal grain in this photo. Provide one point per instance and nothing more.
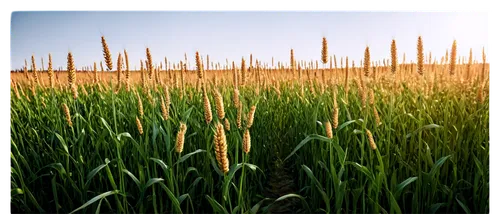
(326, 135)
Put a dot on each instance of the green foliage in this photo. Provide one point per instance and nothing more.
(432, 153)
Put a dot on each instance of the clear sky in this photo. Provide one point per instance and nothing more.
(233, 35)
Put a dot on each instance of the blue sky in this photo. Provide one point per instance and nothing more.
(233, 35)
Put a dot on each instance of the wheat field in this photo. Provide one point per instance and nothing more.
(327, 135)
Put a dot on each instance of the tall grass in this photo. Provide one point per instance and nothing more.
(274, 144)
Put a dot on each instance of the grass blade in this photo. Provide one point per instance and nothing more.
(466, 209)
(306, 140)
(185, 157)
(94, 199)
(438, 165)
(217, 208)
(402, 185)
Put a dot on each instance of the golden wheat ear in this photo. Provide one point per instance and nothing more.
(366, 65)
(246, 141)
(106, 54)
(220, 146)
(227, 125)
(67, 114)
(324, 51)
(394, 57)
(373, 146)
(420, 56)
(139, 125)
(219, 105)
(179, 145)
(251, 115)
(207, 108)
(453, 57)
